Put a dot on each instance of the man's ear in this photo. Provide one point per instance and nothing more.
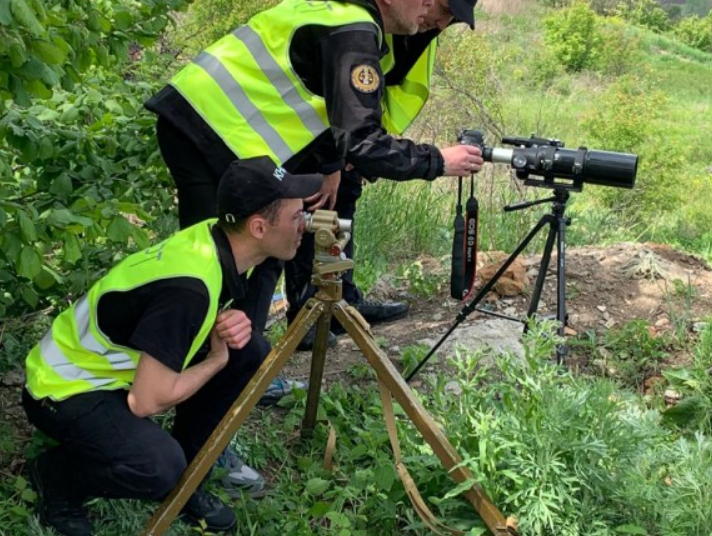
(257, 226)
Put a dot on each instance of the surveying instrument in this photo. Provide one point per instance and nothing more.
(331, 236)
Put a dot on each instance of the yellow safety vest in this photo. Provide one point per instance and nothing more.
(245, 88)
(74, 356)
(403, 102)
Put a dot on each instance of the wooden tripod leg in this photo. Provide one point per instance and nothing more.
(422, 420)
(321, 341)
(233, 419)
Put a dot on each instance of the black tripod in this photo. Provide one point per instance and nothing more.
(557, 223)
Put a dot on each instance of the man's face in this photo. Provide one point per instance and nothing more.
(406, 16)
(284, 236)
(438, 16)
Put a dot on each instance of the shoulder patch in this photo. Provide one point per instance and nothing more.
(365, 78)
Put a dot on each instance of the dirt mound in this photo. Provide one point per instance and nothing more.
(606, 288)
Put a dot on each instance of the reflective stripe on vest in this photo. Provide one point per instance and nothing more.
(74, 356)
(402, 103)
(245, 88)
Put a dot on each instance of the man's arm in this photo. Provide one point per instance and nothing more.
(157, 388)
(354, 107)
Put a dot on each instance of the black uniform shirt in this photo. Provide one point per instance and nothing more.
(164, 317)
(325, 59)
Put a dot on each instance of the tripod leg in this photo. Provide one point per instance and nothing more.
(321, 340)
(543, 269)
(467, 309)
(546, 219)
(562, 349)
(425, 424)
(233, 419)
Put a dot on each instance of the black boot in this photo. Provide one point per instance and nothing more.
(218, 517)
(55, 507)
(377, 312)
(307, 343)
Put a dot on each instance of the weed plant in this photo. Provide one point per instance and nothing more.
(567, 455)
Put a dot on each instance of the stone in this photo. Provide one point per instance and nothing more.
(601, 308)
(672, 396)
(513, 280)
(453, 388)
(14, 378)
(662, 322)
(699, 327)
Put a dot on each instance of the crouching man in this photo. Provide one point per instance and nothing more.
(164, 328)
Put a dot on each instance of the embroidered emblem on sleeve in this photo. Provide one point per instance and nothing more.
(365, 78)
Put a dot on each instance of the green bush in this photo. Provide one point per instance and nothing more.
(47, 43)
(208, 20)
(575, 37)
(646, 13)
(79, 166)
(695, 32)
(82, 171)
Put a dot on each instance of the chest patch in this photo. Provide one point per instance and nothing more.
(365, 78)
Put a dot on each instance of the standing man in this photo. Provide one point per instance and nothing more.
(158, 332)
(407, 88)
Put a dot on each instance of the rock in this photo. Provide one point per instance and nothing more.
(511, 311)
(437, 317)
(513, 280)
(652, 383)
(14, 378)
(570, 332)
(396, 349)
(606, 315)
(699, 327)
(610, 323)
(601, 308)
(491, 297)
(671, 396)
(453, 388)
(662, 322)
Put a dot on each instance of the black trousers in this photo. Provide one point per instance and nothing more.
(107, 451)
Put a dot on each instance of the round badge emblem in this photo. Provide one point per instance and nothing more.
(365, 78)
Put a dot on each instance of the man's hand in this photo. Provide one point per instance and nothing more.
(461, 160)
(232, 328)
(327, 194)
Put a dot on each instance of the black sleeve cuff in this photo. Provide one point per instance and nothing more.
(327, 168)
(437, 164)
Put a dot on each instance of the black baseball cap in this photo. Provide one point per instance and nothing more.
(249, 185)
(464, 11)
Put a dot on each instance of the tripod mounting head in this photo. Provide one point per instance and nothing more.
(331, 234)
